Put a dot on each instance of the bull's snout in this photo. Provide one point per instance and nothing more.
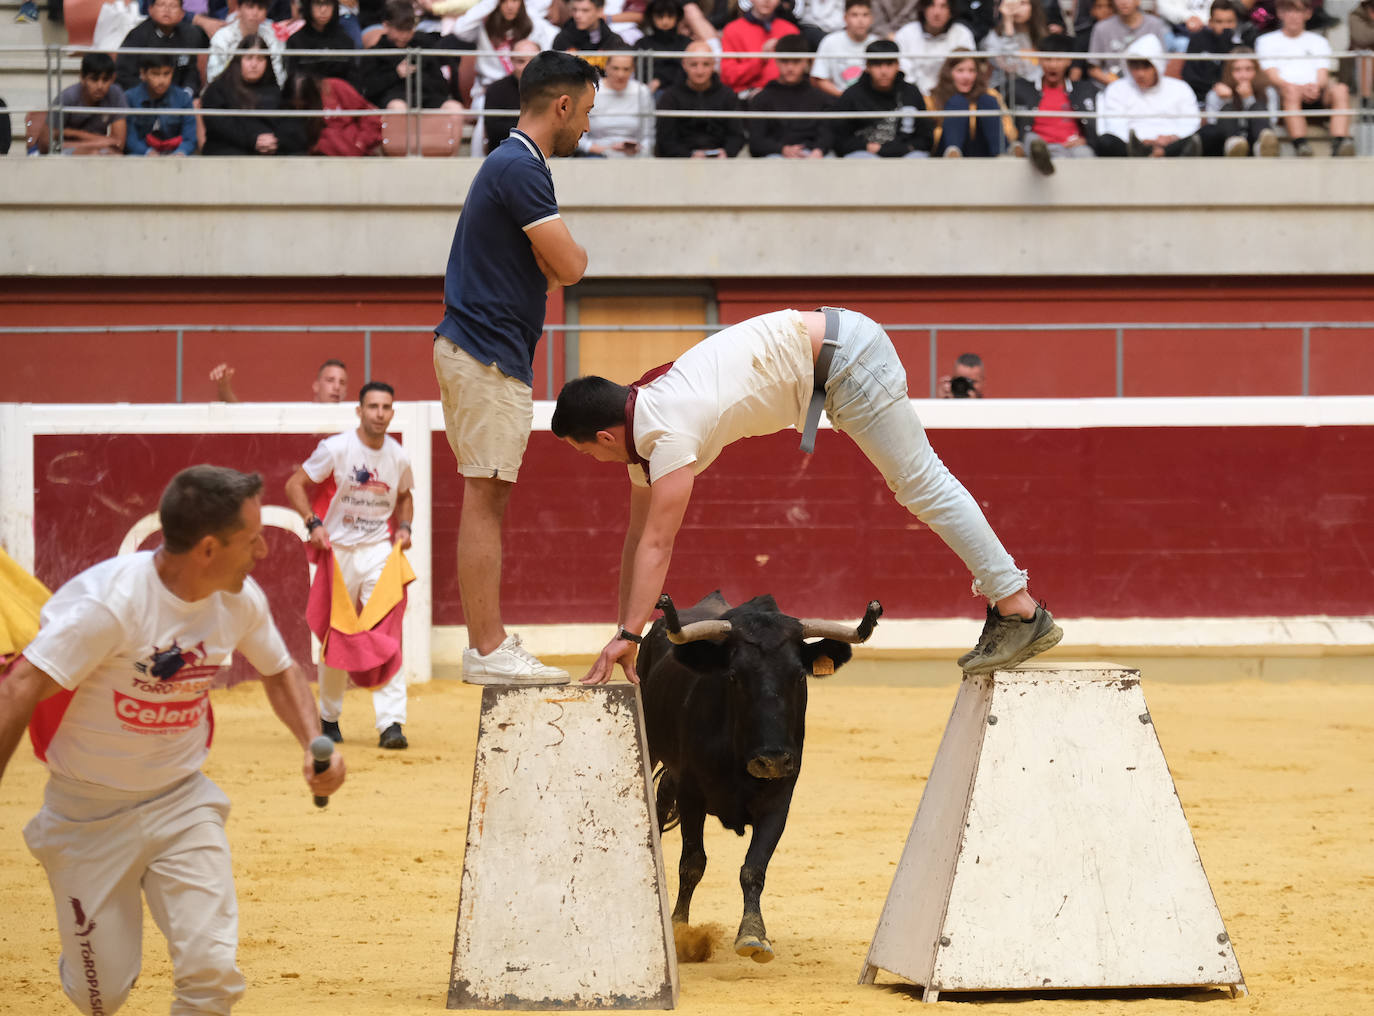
(773, 764)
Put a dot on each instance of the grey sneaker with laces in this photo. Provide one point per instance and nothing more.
(988, 625)
(1009, 641)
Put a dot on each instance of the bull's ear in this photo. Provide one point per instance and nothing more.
(825, 657)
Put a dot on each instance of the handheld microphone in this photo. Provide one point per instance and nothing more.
(321, 749)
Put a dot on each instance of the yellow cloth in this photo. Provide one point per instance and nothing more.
(21, 598)
(390, 587)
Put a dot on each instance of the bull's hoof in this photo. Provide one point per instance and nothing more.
(760, 950)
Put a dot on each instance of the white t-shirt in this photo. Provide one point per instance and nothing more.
(1296, 72)
(839, 59)
(367, 482)
(749, 379)
(140, 661)
(929, 52)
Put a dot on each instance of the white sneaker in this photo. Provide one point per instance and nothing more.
(509, 663)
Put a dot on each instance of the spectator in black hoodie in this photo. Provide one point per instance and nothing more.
(883, 87)
(663, 18)
(385, 78)
(166, 27)
(587, 32)
(1219, 36)
(700, 89)
(791, 92)
(323, 30)
(249, 83)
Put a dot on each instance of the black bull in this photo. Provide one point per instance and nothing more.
(724, 692)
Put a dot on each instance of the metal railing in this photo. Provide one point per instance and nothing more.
(562, 341)
(54, 56)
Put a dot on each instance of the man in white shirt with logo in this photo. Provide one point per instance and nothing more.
(115, 688)
(372, 486)
(757, 377)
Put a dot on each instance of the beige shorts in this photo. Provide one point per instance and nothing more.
(487, 414)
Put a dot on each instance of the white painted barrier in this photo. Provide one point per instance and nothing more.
(1050, 849)
(564, 904)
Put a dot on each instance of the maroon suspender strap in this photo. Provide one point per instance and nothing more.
(635, 457)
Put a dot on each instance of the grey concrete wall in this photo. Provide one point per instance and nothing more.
(666, 219)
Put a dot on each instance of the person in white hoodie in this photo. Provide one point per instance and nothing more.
(1145, 113)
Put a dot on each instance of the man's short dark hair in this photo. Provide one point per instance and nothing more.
(1060, 43)
(881, 51)
(331, 362)
(204, 501)
(795, 46)
(398, 14)
(858, 3)
(97, 65)
(587, 405)
(970, 359)
(375, 386)
(152, 61)
(553, 73)
(1222, 6)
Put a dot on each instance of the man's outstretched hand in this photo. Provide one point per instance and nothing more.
(617, 651)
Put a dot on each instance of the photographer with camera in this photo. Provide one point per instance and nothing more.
(966, 382)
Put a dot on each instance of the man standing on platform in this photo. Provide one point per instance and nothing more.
(510, 248)
(758, 377)
(372, 484)
(116, 690)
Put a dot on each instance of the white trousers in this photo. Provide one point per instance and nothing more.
(361, 567)
(105, 851)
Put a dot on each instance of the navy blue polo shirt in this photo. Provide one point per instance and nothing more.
(494, 292)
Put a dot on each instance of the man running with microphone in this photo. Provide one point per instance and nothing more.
(115, 688)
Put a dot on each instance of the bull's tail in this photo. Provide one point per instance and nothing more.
(665, 799)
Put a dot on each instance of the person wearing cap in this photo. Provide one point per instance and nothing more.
(758, 377)
(882, 86)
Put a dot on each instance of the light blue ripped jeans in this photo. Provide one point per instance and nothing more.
(865, 398)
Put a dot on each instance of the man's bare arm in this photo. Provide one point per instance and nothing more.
(288, 692)
(668, 500)
(561, 258)
(20, 692)
(639, 512)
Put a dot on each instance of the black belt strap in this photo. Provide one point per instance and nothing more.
(822, 374)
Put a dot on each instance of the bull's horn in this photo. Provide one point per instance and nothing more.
(710, 631)
(841, 632)
(678, 634)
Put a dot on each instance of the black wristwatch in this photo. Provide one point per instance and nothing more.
(623, 634)
(313, 523)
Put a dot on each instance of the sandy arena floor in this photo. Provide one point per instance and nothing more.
(351, 910)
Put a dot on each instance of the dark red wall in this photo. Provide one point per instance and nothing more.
(91, 489)
(1069, 364)
(1112, 523)
(268, 367)
(141, 368)
(1166, 522)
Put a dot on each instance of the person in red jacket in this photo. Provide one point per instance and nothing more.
(337, 133)
(757, 31)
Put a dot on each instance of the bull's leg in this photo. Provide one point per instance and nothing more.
(693, 862)
(752, 940)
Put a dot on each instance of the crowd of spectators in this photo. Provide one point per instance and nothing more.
(921, 78)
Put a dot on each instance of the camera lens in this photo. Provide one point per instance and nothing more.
(960, 387)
